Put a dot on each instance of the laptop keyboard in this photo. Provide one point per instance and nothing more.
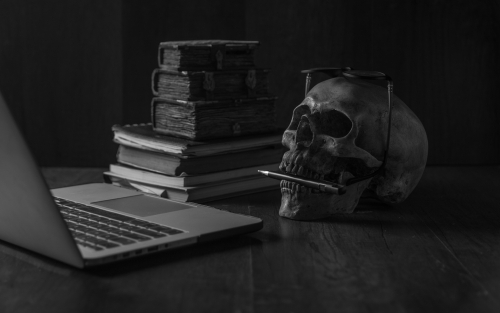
(100, 229)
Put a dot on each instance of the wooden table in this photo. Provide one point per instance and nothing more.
(437, 252)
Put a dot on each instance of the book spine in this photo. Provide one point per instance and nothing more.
(149, 160)
(154, 102)
(214, 56)
(210, 85)
(225, 118)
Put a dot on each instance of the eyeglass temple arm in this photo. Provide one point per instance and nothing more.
(332, 71)
(390, 90)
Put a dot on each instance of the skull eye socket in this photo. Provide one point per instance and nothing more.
(335, 124)
(297, 114)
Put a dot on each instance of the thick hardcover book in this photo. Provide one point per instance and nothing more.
(201, 120)
(204, 193)
(147, 177)
(206, 55)
(143, 137)
(175, 166)
(204, 85)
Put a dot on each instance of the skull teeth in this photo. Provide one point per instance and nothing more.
(290, 187)
(295, 168)
(299, 170)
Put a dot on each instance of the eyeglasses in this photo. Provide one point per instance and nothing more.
(360, 74)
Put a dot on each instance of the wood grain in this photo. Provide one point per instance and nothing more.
(436, 252)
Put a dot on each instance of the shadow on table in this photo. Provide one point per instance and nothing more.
(164, 258)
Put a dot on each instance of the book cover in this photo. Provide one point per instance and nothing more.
(147, 177)
(206, 54)
(175, 166)
(202, 120)
(204, 85)
(143, 137)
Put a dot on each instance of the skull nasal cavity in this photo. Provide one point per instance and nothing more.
(305, 134)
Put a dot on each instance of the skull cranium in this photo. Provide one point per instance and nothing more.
(339, 132)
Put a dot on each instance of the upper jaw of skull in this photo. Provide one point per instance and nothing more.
(326, 158)
(322, 165)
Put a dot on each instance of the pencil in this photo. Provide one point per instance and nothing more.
(319, 185)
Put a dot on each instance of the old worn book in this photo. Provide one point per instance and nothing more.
(147, 177)
(206, 55)
(142, 136)
(205, 85)
(177, 166)
(202, 120)
(203, 193)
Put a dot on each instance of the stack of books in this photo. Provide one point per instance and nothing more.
(210, 89)
(212, 127)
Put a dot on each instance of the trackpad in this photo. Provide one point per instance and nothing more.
(143, 205)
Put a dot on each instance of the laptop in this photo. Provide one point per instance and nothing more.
(93, 224)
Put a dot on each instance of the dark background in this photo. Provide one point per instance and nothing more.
(70, 69)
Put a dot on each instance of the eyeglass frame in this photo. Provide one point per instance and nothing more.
(361, 74)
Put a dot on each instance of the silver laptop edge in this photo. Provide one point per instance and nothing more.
(29, 217)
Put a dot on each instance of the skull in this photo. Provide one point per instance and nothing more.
(339, 132)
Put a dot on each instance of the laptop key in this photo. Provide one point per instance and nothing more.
(134, 236)
(80, 236)
(84, 215)
(123, 241)
(91, 224)
(107, 228)
(93, 232)
(102, 220)
(72, 226)
(138, 223)
(80, 228)
(101, 242)
(61, 201)
(126, 227)
(110, 237)
(107, 244)
(149, 233)
(88, 245)
(94, 224)
(143, 231)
